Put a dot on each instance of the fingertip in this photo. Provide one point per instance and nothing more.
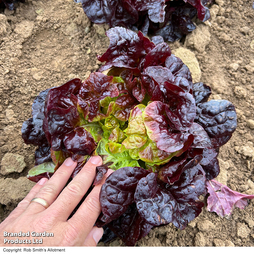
(97, 234)
(94, 236)
(68, 162)
(96, 160)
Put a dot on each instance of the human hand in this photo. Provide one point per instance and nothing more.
(78, 230)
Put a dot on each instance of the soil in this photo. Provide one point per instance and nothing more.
(45, 43)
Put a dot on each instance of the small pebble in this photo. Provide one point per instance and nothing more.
(250, 124)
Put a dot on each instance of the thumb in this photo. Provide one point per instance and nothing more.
(94, 236)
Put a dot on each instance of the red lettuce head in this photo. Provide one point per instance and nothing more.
(170, 19)
(149, 123)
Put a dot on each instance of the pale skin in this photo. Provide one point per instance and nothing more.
(79, 230)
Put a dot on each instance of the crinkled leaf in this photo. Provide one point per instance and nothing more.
(218, 118)
(203, 11)
(111, 12)
(178, 21)
(154, 78)
(135, 141)
(210, 163)
(171, 172)
(62, 96)
(117, 193)
(125, 50)
(155, 9)
(136, 123)
(42, 154)
(152, 155)
(201, 138)
(191, 183)
(136, 130)
(154, 204)
(157, 55)
(182, 109)
(179, 69)
(158, 128)
(223, 200)
(130, 226)
(79, 141)
(95, 130)
(125, 103)
(32, 131)
(178, 203)
(120, 158)
(201, 92)
(212, 169)
(61, 114)
(60, 122)
(117, 135)
(93, 93)
(97, 87)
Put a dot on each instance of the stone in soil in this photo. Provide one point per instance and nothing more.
(12, 163)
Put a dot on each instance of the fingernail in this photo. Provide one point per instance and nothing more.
(95, 160)
(68, 162)
(97, 234)
(42, 181)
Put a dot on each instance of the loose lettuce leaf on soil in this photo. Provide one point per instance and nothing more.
(223, 200)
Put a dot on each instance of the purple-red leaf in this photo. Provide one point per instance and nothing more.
(218, 118)
(112, 12)
(117, 193)
(125, 50)
(95, 88)
(130, 226)
(203, 11)
(157, 55)
(154, 204)
(158, 125)
(171, 172)
(178, 203)
(201, 92)
(79, 141)
(61, 114)
(191, 183)
(178, 68)
(222, 200)
(100, 173)
(201, 138)
(155, 9)
(32, 131)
